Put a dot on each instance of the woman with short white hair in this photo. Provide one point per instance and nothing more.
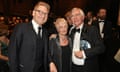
(60, 49)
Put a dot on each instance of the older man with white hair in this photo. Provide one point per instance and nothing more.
(87, 44)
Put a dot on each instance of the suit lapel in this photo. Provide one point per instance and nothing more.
(32, 31)
(45, 39)
(33, 37)
(83, 33)
(104, 27)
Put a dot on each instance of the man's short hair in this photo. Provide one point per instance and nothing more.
(43, 4)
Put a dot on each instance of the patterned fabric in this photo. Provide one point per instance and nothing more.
(4, 65)
(4, 48)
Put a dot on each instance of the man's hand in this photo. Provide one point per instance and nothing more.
(78, 54)
(52, 36)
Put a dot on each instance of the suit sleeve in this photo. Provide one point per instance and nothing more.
(97, 43)
(51, 53)
(13, 50)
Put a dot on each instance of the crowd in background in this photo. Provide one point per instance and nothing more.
(8, 22)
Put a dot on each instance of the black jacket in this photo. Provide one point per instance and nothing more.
(91, 34)
(56, 52)
(22, 48)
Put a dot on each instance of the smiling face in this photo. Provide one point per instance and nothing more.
(61, 26)
(77, 16)
(40, 13)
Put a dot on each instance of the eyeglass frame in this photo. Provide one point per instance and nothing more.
(39, 11)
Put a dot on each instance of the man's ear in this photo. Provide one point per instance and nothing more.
(33, 13)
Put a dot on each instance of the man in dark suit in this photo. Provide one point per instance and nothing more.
(105, 29)
(84, 56)
(28, 46)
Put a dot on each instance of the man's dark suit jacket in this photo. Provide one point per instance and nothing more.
(107, 29)
(22, 48)
(107, 39)
(90, 33)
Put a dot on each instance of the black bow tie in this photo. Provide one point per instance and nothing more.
(101, 20)
(77, 30)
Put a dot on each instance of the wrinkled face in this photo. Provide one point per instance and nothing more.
(102, 13)
(76, 17)
(62, 28)
(40, 14)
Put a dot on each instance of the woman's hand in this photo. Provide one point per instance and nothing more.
(53, 67)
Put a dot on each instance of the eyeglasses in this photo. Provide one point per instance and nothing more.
(41, 12)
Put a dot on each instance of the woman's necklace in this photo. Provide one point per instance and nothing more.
(63, 40)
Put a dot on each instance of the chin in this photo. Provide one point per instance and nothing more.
(65, 33)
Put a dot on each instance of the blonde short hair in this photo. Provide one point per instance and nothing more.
(41, 3)
(58, 21)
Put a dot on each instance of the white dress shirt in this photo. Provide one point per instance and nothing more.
(36, 26)
(101, 25)
(76, 47)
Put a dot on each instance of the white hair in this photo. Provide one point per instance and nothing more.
(81, 11)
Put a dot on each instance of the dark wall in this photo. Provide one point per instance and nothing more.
(15, 7)
(60, 7)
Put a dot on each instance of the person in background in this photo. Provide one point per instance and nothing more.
(28, 48)
(60, 48)
(4, 41)
(70, 24)
(105, 30)
(89, 18)
(87, 44)
(67, 16)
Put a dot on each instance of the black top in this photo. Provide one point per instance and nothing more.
(65, 58)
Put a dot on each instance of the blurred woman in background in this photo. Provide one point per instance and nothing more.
(4, 41)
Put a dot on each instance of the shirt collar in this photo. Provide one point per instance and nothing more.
(100, 20)
(81, 26)
(35, 26)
